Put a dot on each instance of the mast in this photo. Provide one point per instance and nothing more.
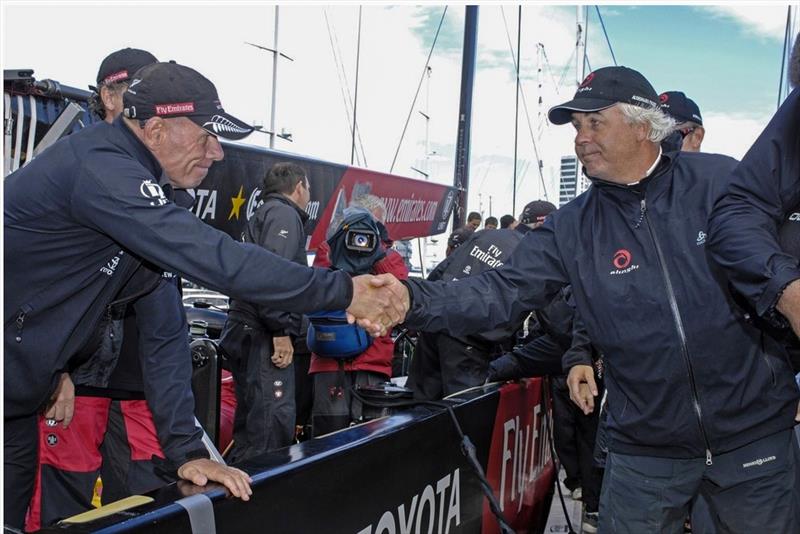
(461, 175)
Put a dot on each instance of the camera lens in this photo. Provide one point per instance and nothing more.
(361, 240)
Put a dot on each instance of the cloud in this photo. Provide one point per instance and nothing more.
(763, 20)
(731, 134)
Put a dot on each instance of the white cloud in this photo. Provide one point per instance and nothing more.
(731, 134)
(763, 20)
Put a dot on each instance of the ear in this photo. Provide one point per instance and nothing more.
(107, 96)
(699, 134)
(155, 132)
(642, 131)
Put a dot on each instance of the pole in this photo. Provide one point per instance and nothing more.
(461, 175)
(516, 112)
(355, 97)
(275, 57)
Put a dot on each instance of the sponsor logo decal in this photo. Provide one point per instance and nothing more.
(52, 440)
(643, 100)
(759, 461)
(794, 217)
(135, 82)
(284, 234)
(111, 266)
(221, 125)
(426, 512)
(153, 192)
(236, 204)
(115, 77)
(175, 107)
(622, 258)
(490, 257)
(622, 262)
(701, 238)
(253, 202)
(663, 97)
(586, 81)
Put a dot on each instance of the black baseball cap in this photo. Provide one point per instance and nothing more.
(535, 211)
(602, 89)
(680, 107)
(120, 66)
(458, 237)
(171, 90)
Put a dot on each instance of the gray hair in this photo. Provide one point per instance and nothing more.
(661, 124)
(372, 204)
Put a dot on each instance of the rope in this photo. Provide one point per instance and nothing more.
(421, 79)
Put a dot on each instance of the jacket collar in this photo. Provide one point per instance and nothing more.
(289, 202)
(133, 146)
(664, 165)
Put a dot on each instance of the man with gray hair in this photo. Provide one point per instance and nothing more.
(699, 400)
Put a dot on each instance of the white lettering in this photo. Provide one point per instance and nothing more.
(386, 524)
(430, 499)
(407, 522)
(508, 427)
(454, 508)
(211, 207)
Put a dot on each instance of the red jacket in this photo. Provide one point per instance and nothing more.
(378, 357)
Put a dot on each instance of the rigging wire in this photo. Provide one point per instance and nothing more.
(549, 68)
(419, 86)
(344, 86)
(355, 99)
(525, 107)
(516, 110)
(603, 25)
(781, 80)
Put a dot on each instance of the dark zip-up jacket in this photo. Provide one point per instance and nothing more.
(78, 217)
(762, 191)
(686, 375)
(277, 226)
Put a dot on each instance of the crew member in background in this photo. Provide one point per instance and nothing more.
(473, 220)
(490, 223)
(259, 340)
(689, 125)
(334, 407)
(508, 221)
(82, 216)
(445, 363)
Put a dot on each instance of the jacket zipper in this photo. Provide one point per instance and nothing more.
(673, 304)
(19, 321)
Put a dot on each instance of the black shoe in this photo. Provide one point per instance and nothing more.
(589, 523)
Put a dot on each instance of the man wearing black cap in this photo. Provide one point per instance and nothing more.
(700, 401)
(687, 114)
(115, 73)
(82, 217)
(444, 364)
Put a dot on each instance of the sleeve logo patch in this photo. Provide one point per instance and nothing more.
(153, 192)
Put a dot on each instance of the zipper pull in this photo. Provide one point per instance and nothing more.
(20, 322)
(708, 457)
(642, 210)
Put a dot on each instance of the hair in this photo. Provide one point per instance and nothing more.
(506, 220)
(282, 178)
(794, 64)
(490, 220)
(474, 215)
(661, 124)
(96, 105)
(371, 203)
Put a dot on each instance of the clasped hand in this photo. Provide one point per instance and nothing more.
(379, 302)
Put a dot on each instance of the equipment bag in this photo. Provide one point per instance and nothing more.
(331, 336)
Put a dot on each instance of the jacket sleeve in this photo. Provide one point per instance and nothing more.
(174, 239)
(167, 372)
(531, 278)
(282, 234)
(580, 351)
(753, 203)
(540, 356)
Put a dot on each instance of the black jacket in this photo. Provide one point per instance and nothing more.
(277, 226)
(762, 192)
(686, 375)
(77, 220)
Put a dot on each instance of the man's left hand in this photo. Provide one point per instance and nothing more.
(202, 471)
(62, 403)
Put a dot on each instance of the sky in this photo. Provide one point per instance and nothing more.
(726, 57)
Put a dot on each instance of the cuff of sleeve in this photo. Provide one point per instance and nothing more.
(571, 359)
(169, 466)
(765, 307)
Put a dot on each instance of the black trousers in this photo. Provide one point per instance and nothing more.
(20, 452)
(443, 365)
(265, 409)
(574, 435)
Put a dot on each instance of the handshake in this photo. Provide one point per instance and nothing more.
(379, 302)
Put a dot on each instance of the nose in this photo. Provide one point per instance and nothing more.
(582, 136)
(214, 149)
